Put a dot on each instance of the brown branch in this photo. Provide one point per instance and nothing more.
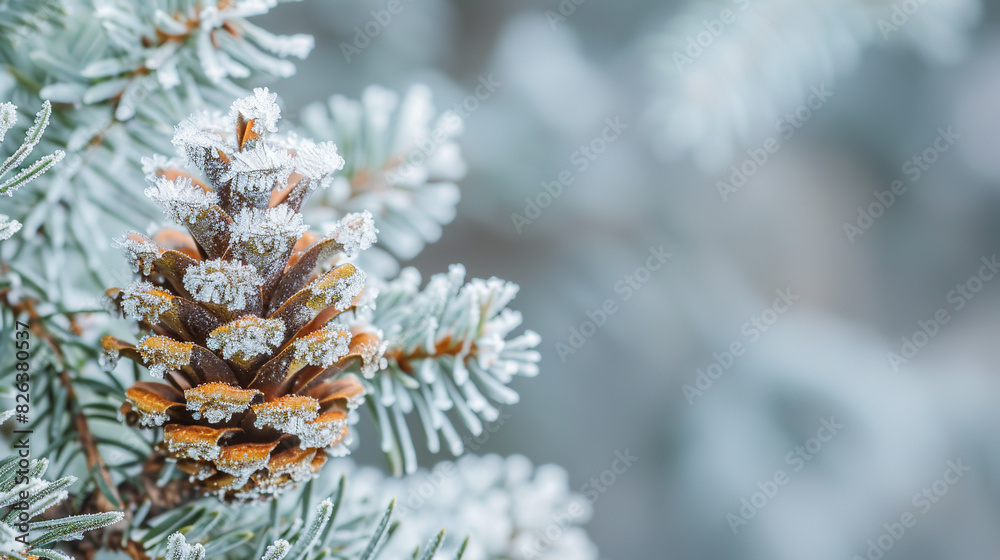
(87, 441)
(445, 347)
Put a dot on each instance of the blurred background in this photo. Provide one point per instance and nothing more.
(774, 215)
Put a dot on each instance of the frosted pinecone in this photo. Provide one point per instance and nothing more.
(241, 312)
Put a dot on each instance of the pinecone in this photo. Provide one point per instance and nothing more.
(242, 313)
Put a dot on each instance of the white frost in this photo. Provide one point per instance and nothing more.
(248, 337)
(222, 282)
(8, 227)
(140, 253)
(261, 107)
(324, 347)
(291, 419)
(181, 201)
(318, 162)
(259, 169)
(355, 232)
(161, 358)
(340, 293)
(322, 435)
(268, 231)
(141, 305)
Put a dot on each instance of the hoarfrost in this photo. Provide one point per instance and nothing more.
(222, 282)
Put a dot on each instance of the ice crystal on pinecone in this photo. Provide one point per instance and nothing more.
(222, 282)
(247, 338)
(180, 200)
(242, 313)
(355, 232)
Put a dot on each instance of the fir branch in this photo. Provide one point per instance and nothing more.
(402, 162)
(108, 498)
(8, 118)
(24, 18)
(447, 350)
(713, 100)
(27, 495)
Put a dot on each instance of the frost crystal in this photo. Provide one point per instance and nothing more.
(287, 414)
(177, 547)
(323, 432)
(109, 359)
(142, 301)
(247, 337)
(222, 282)
(8, 118)
(198, 451)
(259, 170)
(139, 251)
(8, 227)
(151, 166)
(318, 162)
(339, 291)
(261, 108)
(324, 347)
(218, 402)
(162, 354)
(279, 549)
(270, 231)
(151, 419)
(198, 445)
(373, 359)
(181, 201)
(354, 232)
(199, 134)
(153, 409)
